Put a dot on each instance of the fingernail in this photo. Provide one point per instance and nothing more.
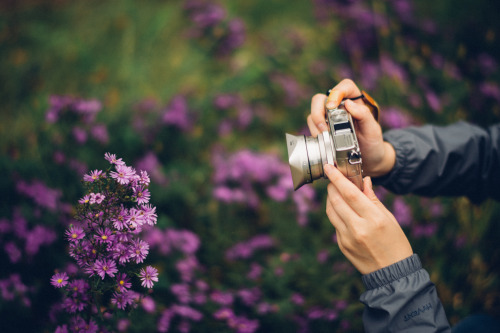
(322, 127)
(328, 168)
(331, 105)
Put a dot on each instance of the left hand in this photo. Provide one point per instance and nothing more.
(367, 233)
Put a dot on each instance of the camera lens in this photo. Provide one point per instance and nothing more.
(307, 155)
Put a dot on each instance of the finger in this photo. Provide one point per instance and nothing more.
(345, 89)
(368, 190)
(370, 194)
(351, 195)
(318, 112)
(334, 218)
(341, 208)
(312, 126)
(360, 112)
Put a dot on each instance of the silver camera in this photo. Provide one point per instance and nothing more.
(338, 146)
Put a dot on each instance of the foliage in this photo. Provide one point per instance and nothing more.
(199, 94)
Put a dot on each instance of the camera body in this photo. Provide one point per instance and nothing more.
(338, 146)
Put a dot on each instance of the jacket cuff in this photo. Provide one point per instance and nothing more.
(392, 273)
(400, 147)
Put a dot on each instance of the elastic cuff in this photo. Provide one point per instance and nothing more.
(399, 166)
(392, 273)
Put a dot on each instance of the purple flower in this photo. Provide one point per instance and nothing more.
(149, 215)
(123, 282)
(123, 174)
(94, 175)
(142, 194)
(139, 250)
(119, 220)
(148, 276)
(105, 267)
(96, 198)
(59, 280)
(111, 158)
(85, 199)
(104, 236)
(122, 299)
(74, 233)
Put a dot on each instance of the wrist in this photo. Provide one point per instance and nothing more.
(387, 163)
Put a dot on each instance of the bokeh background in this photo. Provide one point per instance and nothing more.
(200, 94)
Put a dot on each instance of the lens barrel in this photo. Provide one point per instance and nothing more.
(307, 155)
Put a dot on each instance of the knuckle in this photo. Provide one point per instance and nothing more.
(360, 236)
(350, 195)
(348, 82)
(318, 96)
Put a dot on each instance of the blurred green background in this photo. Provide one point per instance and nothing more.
(200, 94)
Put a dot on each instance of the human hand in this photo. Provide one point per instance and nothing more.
(378, 156)
(367, 233)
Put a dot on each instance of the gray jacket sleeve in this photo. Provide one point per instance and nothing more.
(401, 298)
(457, 160)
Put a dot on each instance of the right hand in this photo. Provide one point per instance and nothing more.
(367, 233)
(379, 157)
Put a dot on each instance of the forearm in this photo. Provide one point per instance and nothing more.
(460, 159)
(400, 298)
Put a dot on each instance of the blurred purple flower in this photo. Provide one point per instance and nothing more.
(433, 101)
(80, 135)
(13, 252)
(402, 212)
(297, 299)
(294, 92)
(490, 89)
(38, 236)
(234, 38)
(148, 304)
(222, 297)
(250, 296)
(245, 250)
(87, 109)
(393, 117)
(40, 193)
(177, 114)
(182, 292)
(487, 64)
(100, 133)
(203, 14)
(255, 271)
(425, 230)
(150, 163)
(393, 69)
(187, 312)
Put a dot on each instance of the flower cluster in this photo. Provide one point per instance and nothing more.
(105, 242)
